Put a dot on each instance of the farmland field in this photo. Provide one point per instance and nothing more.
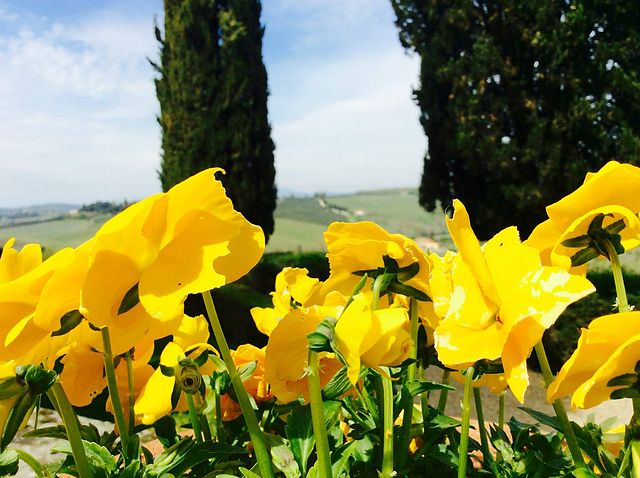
(300, 222)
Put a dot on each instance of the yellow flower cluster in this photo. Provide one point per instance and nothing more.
(484, 303)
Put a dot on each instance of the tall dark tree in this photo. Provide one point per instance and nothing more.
(520, 99)
(213, 101)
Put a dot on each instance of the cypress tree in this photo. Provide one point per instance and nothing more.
(213, 93)
(520, 99)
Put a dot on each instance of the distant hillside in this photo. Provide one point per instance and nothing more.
(300, 221)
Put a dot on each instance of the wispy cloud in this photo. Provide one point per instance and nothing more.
(77, 116)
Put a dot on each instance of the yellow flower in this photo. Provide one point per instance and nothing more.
(178, 362)
(294, 288)
(496, 301)
(287, 354)
(495, 382)
(362, 246)
(185, 241)
(256, 385)
(613, 191)
(14, 264)
(607, 349)
(372, 338)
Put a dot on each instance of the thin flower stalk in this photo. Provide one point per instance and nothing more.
(466, 421)
(484, 440)
(194, 418)
(317, 417)
(257, 437)
(405, 431)
(444, 393)
(61, 403)
(113, 392)
(558, 406)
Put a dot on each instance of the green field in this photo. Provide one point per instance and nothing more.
(300, 222)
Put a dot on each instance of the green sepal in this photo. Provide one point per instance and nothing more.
(408, 272)
(625, 393)
(321, 339)
(167, 371)
(407, 290)
(10, 387)
(583, 256)
(68, 322)
(17, 416)
(578, 241)
(626, 380)
(175, 395)
(246, 371)
(130, 300)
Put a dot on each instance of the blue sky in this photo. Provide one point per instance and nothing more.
(78, 105)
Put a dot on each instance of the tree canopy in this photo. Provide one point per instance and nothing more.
(520, 99)
(213, 93)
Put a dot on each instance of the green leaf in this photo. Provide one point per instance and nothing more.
(282, 456)
(331, 409)
(101, 461)
(165, 429)
(248, 473)
(543, 418)
(299, 431)
(9, 463)
(340, 458)
(583, 472)
(416, 387)
(130, 300)
(68, 322)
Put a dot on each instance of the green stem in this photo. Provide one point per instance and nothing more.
(635, 457)
(204, 421)
(625, 461)
(558, 406)
(623, 303)
(387, 428)
(405, 431)
(618, 279)
(193, 418)
(466, 420)
(424, 404)
(484, 440)
(317, 417)
(442, 402)
(500, 422)
(70, 420)
(218, 426)
(113, 393)
(377, 285)
(131, 388)
(257, 437)
(35, 465)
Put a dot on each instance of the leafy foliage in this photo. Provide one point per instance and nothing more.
(213, 100)
(520, 100)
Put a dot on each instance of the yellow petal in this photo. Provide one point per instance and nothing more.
(469, 248)
(14, 264)
(192, 330)
(351, 330)
(154, 401)
(83, 376)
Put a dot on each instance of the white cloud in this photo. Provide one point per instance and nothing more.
(77, 120)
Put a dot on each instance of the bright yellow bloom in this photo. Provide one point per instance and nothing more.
(256, 385)
(608, 348)
(293, 288)
(613, 191)
(495, 382)
(185, 241)
(496, 301)
(287, 354)
(155, 399)
(372, 338)
(361, 246)
(14, 264)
